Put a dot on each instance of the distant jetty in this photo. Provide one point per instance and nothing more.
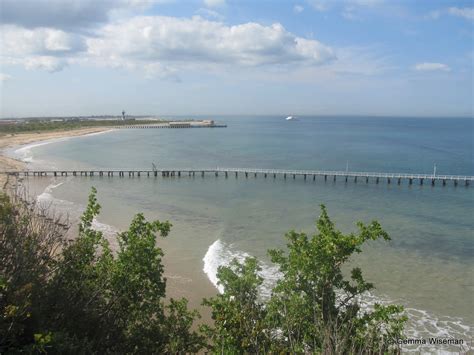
(175, 124)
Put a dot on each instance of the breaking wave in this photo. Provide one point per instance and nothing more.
(422, 324)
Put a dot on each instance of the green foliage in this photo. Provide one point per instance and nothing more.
(27, 247)
(81, 297)
(42, 126)
(94, 301)
(313, 307)
(178, 324)
(239, 316)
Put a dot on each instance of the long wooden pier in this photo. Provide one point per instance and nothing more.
(346, 176)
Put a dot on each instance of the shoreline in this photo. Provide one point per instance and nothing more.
(176, 287)
(16, 140)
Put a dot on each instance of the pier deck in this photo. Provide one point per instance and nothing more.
(376, 177)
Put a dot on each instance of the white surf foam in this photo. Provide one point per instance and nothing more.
(421, 324)
(108, 231)
(75, 210)
(220, 254)
(25, 153)
(46, 196)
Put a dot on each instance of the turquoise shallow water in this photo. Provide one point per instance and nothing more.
(428, 266)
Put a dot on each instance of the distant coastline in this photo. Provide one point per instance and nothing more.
(26, 132)
(13, 140)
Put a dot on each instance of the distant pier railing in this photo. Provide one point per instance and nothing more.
(169, 126)
(346, 176)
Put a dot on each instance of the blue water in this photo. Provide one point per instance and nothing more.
(368, 144)
(427, 266)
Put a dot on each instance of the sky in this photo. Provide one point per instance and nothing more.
(227, 57)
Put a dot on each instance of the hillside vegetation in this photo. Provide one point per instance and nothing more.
(80, 297)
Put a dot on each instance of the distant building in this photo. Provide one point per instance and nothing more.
(208, 122)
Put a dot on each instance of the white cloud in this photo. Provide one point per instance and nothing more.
(17, 41)
(162, 46)
(467, 12)
(50, 64)
(4, 77)
(210, 14)
(297, 9)
(431, 67)
(43, 48)
(71, 15)
(214, 3)
(179, 41)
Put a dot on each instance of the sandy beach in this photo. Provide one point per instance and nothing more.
(176, 287)
(12, 140)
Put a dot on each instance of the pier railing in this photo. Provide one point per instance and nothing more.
(266, 173)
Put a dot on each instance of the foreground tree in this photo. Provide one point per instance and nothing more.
(28, 245)
(89, 300)
(238, 314)
(313, 307)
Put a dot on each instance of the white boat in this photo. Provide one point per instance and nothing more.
(289, 118)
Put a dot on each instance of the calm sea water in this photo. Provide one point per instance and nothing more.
(428, 266)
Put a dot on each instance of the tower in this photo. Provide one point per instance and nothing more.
(123, 115)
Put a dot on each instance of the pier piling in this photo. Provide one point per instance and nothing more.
(305, 174)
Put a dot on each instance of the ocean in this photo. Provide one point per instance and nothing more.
(428, 266)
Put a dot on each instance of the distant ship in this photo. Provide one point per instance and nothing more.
(289, 118)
